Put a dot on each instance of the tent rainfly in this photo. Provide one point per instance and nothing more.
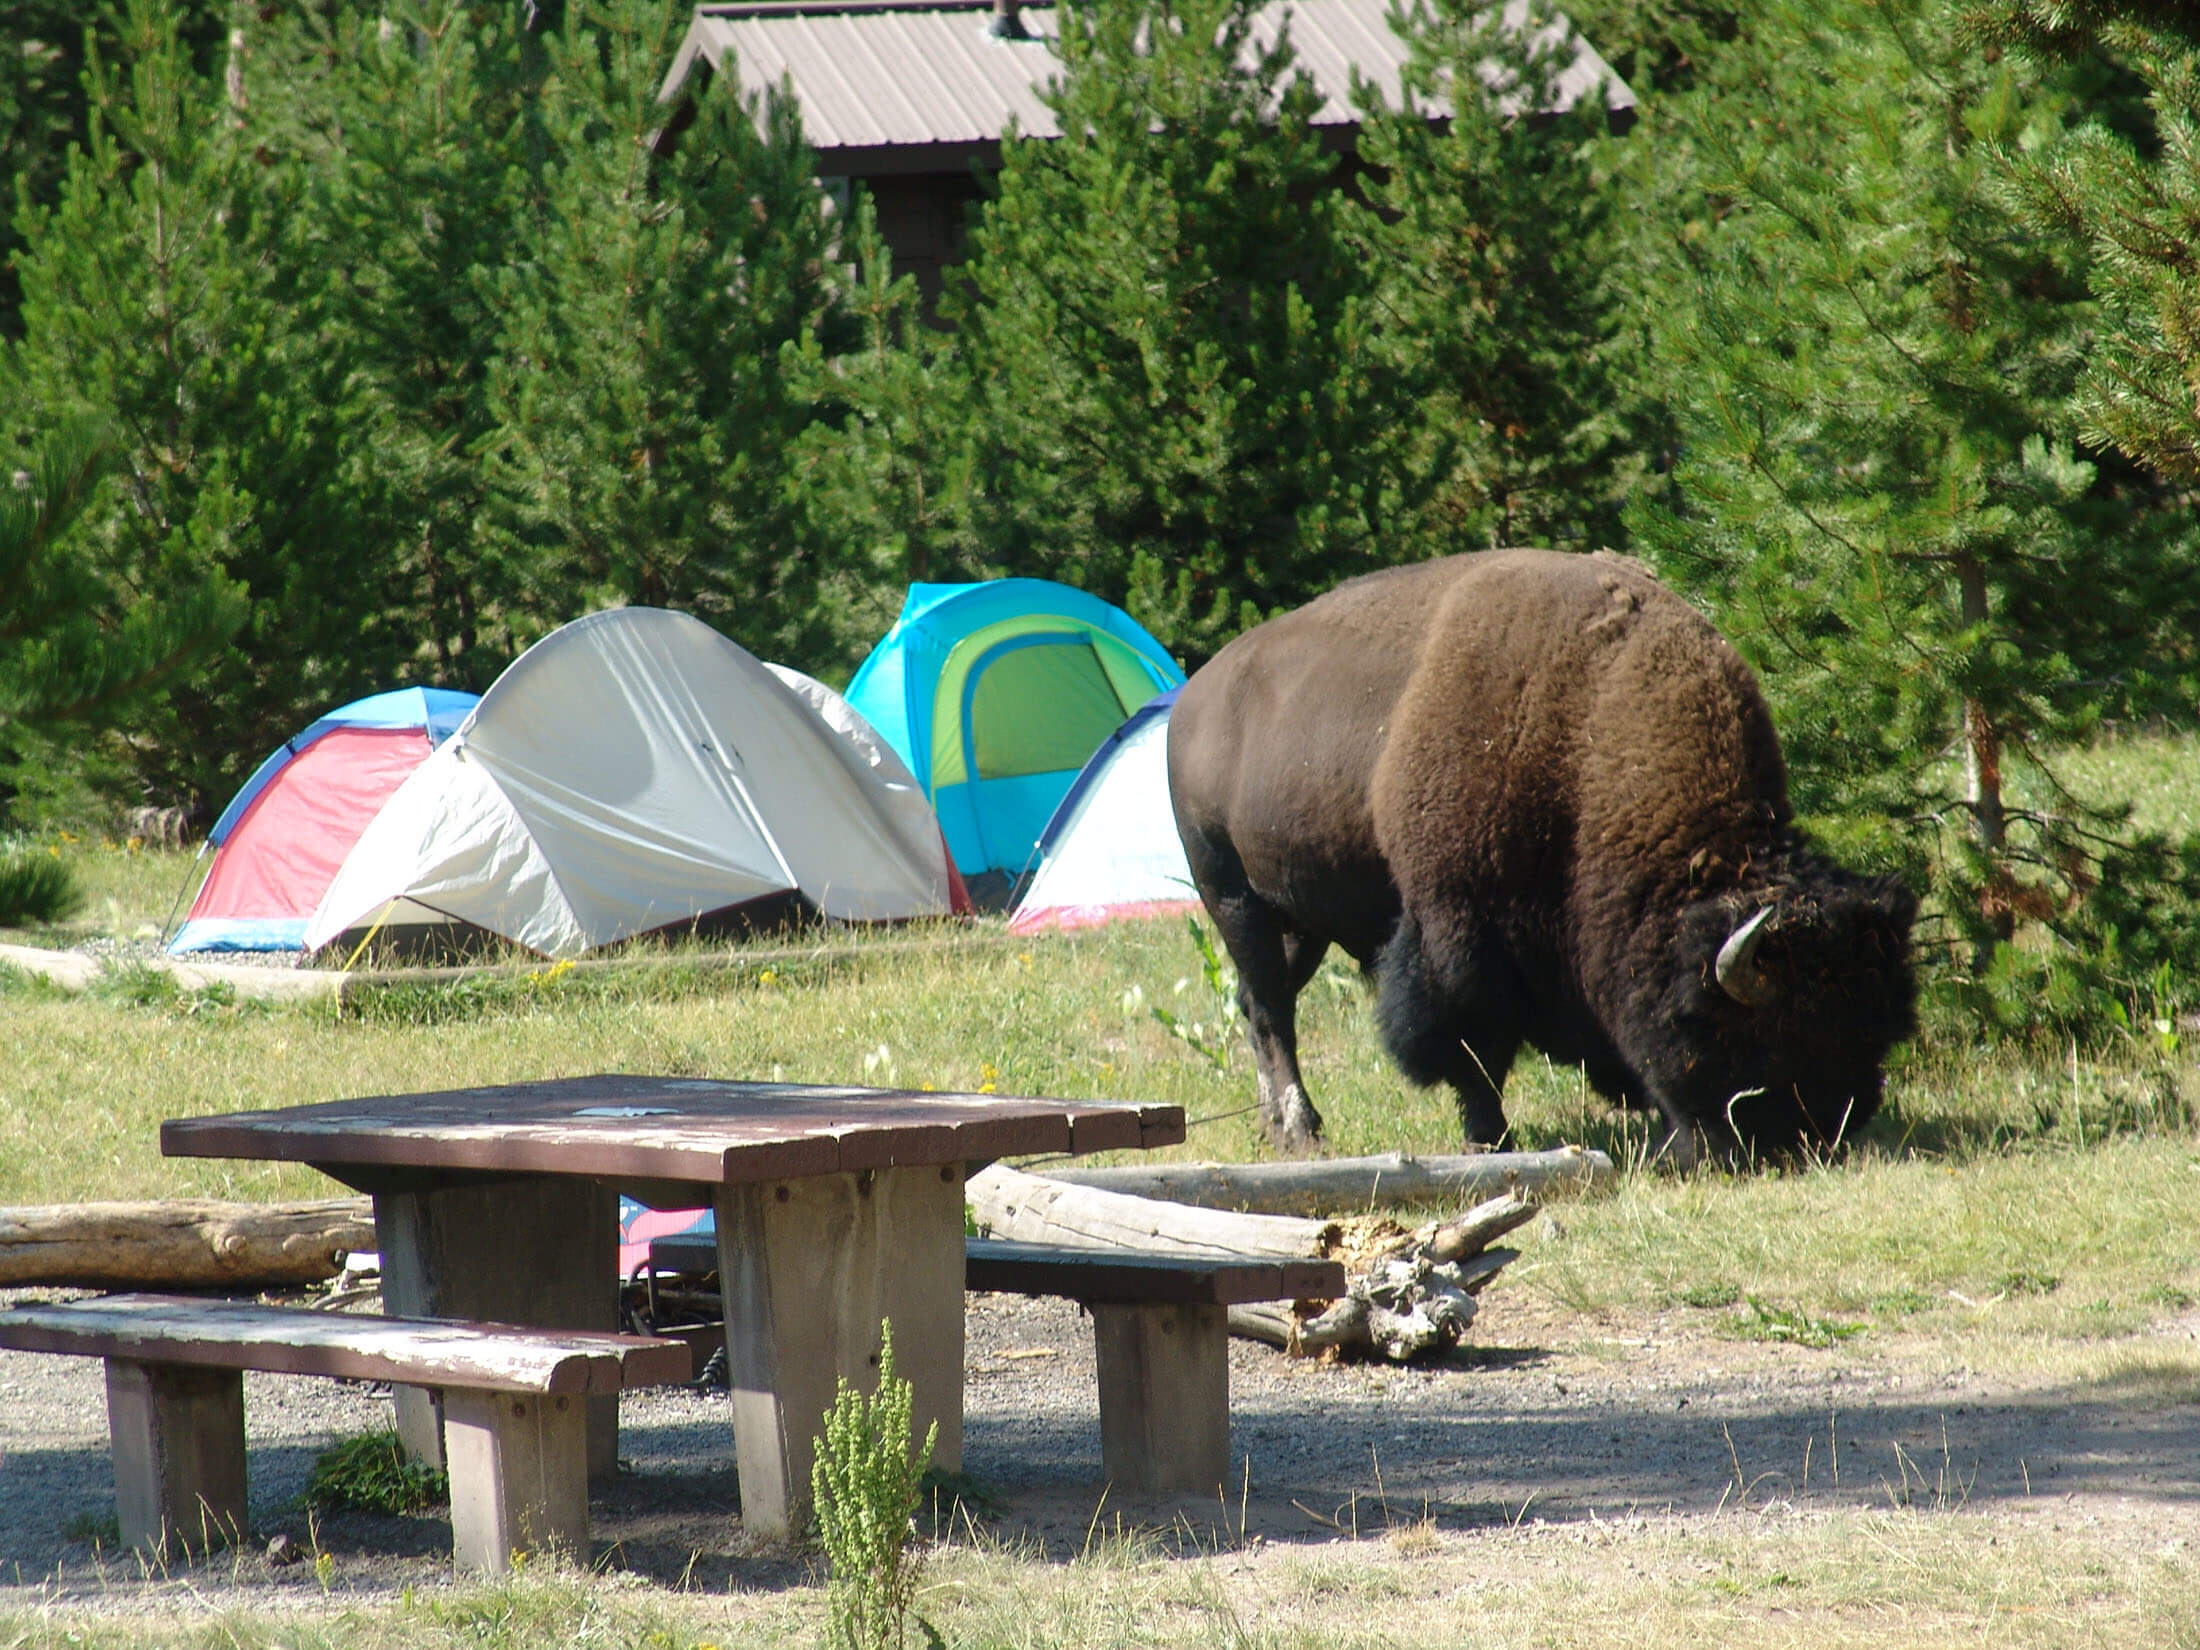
(633, 772)
(995, 695)
(278, 844)
(1111, 850)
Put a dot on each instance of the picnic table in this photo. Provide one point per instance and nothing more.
(836, 1207)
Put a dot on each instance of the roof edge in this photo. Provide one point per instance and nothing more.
(815, 8)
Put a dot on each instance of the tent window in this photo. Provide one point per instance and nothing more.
(1043, 705)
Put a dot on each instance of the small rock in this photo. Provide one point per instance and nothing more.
(282, 1551)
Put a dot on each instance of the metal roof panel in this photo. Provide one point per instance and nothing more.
(882, 74)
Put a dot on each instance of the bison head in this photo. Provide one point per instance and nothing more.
(1776, 1018)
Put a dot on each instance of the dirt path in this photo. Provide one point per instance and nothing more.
(1546, 1426)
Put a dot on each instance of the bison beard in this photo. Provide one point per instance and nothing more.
(1542, 802)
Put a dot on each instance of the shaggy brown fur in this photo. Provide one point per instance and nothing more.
(1533, 793)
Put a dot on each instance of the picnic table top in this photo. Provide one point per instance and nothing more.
(670, 1128)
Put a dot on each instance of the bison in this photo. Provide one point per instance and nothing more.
(1540, 800)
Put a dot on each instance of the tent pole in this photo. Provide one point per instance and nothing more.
(176, 904)
(367, 939)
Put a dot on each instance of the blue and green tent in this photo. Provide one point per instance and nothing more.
(996, 694)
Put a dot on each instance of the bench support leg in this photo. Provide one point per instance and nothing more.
(519, 1476)
(809, 1267)
(1164, 1397)
(541, 1253)
(179, 1453)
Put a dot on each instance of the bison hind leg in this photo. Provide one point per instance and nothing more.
(1458, 1026)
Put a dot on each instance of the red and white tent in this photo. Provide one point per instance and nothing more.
(279, 843)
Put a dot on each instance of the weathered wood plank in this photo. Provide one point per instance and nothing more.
(1095, 1276)
(808, 1269)
(1164, 1397)
(1480, 1226)
(292, 1340)
(1031, 1209)
(1335, 1185)
(178, 1437)
(519, 1477)
(678, 1129)
(541, 1252)
(181, 1244)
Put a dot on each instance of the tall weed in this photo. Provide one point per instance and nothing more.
(866, 1482)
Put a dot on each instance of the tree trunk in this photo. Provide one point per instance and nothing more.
(191, 1244)
(1982, 761)
(1319, 1187)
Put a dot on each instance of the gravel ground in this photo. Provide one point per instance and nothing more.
(1548, 1420)
(115, 951)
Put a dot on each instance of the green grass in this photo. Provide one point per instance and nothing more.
(2159, 773)
(1985, 1175)
(1850, 1580)
(1767, 1321)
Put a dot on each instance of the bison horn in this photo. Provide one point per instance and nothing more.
(1734, 971)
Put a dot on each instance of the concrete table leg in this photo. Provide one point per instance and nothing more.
(519, 1476)
(1164, 1397)
(542, 1253)
(179, 1453)
(809, 1267)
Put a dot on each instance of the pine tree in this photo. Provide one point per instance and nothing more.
(2134, 200)
(75, 649)
(651, 320)
(147, 311)
(1176, 366)
(43, 109)
(1501, 230)
(1883, 502)
(1659, 47)
(887, 468)
(2057, 27)
(413, 133)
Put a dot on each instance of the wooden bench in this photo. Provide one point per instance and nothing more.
(514, 1407)
(1161, 1338)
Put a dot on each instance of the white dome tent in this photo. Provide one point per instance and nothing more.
(1111, 850)
(636, 771)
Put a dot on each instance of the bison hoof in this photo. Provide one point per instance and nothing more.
(1298, 1130)
(1683, 1148)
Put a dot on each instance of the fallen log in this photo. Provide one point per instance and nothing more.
(1032, 1209)
(1340, 1328)
(1479, 1227)
(187, 1244)
(1326, 1186)
(1408, 1293)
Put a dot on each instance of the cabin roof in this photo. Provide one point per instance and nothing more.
(917, 85)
